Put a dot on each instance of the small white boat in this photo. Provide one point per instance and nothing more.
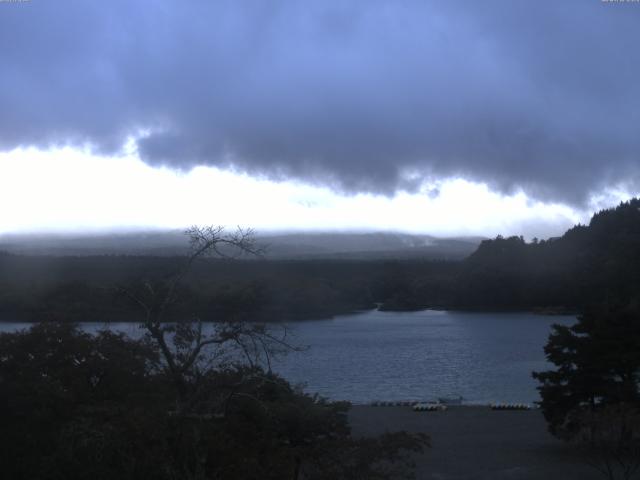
(429, 407)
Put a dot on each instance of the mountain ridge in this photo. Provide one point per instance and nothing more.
(290, 245)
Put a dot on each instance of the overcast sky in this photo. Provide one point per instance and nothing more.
(456, 117)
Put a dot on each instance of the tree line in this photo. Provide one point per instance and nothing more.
(591, 398)
(565, 274)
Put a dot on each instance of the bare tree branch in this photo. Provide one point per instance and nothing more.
(182, 345)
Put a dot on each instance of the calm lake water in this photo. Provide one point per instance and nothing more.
(392, 356)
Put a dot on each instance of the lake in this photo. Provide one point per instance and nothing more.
(398, 356)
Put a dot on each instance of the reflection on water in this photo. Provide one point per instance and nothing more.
(375, 355)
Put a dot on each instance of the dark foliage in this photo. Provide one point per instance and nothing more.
(77, 406)
(591, 399)
(66, 397)
(598, 364)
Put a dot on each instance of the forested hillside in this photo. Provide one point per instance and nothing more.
(86, 288)
(587, 264)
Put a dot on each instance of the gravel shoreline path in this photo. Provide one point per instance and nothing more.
(473, 442)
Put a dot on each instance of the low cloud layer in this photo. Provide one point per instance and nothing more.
(363, 96)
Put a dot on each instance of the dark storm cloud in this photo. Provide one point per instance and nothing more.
(364, 95)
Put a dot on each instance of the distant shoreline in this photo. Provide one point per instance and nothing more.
(550, 311)
(554, 313)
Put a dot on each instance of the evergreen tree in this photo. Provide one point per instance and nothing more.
(592, 398)
(598, 364)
